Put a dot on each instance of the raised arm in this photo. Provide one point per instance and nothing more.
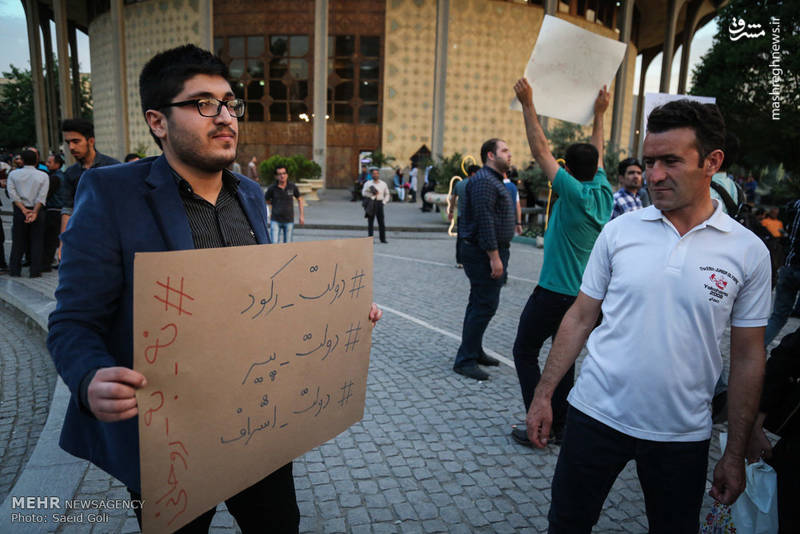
(575, 328)
(600, 107)
(540, 150)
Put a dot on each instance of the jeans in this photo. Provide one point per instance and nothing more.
(540, 320)
(484, 297)
(401, 193)
(672, 475)
(267, 506)
(371, 221)
(277, 228)
(785, 295)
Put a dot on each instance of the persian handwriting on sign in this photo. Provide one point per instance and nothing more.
(335, 288)
(737, 30)
(173, 502)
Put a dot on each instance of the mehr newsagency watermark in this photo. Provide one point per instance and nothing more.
(51, 509)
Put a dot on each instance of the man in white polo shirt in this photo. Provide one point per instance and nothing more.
(667, 278)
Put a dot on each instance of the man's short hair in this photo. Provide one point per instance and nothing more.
(280, 167)
(29, 157)
(705, 119)
(57, 158)
(622, 168)
(472, 169)
(162, 78)
(489, 146)
(80, 125)
(581, 158)
(130, 157)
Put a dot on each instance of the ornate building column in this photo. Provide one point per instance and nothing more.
(39, 106)
(320, 132)
(120, 77)
(621, 81)
(440, 77)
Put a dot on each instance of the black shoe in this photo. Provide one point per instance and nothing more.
(472, 371)
(384, 241)
(520, 435)
(485, 359)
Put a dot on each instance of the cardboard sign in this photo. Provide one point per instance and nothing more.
(253, 356)
(567, 68)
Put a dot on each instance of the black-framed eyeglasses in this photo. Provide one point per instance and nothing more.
(211, 107)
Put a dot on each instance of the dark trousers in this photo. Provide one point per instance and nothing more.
(484, 297)
(786, 462)
(26, 236)
(51, 232)
(267, 506)
(3, 264)
(540, 320)
(371, 221)
(459, 243)
(672, 475)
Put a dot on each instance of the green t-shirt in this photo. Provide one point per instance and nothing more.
(575, 222)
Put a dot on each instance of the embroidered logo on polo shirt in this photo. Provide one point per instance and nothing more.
(718, 282)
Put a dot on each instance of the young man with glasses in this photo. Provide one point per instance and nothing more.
(183, 199)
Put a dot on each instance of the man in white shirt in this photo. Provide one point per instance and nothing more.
(668, 279)
(377, 191)
(27, 188)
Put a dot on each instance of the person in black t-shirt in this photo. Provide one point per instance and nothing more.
(279, 199)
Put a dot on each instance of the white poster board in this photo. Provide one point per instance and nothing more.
(567, 67)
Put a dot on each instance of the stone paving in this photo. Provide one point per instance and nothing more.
(27, 379)
(432, 453)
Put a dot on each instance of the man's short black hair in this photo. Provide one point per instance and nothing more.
(162, 78)
(80, 125)
(705, 119)
(280, 167)
(489, 146)
(29, 157)
(57, 158)
(581, 158)
(627, 162)
(472, 169)
(130, 157)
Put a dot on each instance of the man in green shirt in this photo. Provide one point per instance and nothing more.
(584, 205)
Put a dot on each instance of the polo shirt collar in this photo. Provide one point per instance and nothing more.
(718, 219)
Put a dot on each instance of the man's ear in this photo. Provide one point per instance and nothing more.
(157, 122)
(713, 162)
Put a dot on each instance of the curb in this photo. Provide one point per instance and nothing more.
(50, 471)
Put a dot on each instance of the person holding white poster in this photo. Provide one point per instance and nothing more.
(668, 279)
(184, 199)
(584, 206)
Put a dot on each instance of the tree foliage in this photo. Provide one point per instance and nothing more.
(17, 117)
(298, 167)
(740, 74)
(17, 127)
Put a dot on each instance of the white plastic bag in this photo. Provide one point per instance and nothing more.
(756, 509)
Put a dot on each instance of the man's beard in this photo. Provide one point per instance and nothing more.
(186, 147)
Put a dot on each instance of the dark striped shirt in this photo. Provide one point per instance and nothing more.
(222, 225)
(793, 250)
(489, 217)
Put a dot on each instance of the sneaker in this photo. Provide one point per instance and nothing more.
(472, 371)
(485, 359)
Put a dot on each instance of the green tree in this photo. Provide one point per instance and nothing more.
(740, 74)
(17, 127)
(380, 160)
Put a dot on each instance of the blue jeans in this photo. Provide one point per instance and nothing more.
(672, 475)
(278, 228)
(484, 297)
(785, 295)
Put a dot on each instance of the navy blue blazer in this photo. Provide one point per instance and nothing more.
(119, 210)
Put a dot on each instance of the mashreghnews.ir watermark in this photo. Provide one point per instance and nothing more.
(57, 510)
(775, 65)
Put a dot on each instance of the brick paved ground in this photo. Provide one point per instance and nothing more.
(432, 453)
(27, 379)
